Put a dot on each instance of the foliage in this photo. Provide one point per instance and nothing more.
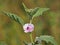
(32, 13)
(37, 11)
(48, 39)
(14, 17)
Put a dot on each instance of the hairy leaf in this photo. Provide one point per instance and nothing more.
(14, 17)
(35, 11)
(25, 42)
(48, 39)
(40, 11)
(29, 11)
(26, 9)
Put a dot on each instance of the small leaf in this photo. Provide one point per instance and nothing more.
(14, 17)
(40, 11)
(48, 39)
(34, 12)
(25, 42)
(37, 40)
(26, 9)
(30, 11)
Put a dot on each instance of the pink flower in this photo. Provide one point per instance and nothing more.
(28, 27)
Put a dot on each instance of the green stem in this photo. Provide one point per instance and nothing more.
(30, 21)
(31, 38)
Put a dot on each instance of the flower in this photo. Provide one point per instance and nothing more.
(28, 27)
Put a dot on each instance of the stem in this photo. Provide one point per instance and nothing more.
(31, 34)
(31, 38)
(30, 21)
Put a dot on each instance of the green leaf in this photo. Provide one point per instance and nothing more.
(34, 12)
(48, 39)
(14, 17)
(26, 9)
(40, 11)
(29, 11)
(25, 42)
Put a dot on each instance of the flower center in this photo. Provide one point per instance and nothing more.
(27, 28)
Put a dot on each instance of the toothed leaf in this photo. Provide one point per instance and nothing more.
(14, 17)
(48, 39)
(40, 11)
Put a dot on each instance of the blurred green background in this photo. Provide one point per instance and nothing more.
(11, 33)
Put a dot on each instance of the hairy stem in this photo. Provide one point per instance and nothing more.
(31, 38)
